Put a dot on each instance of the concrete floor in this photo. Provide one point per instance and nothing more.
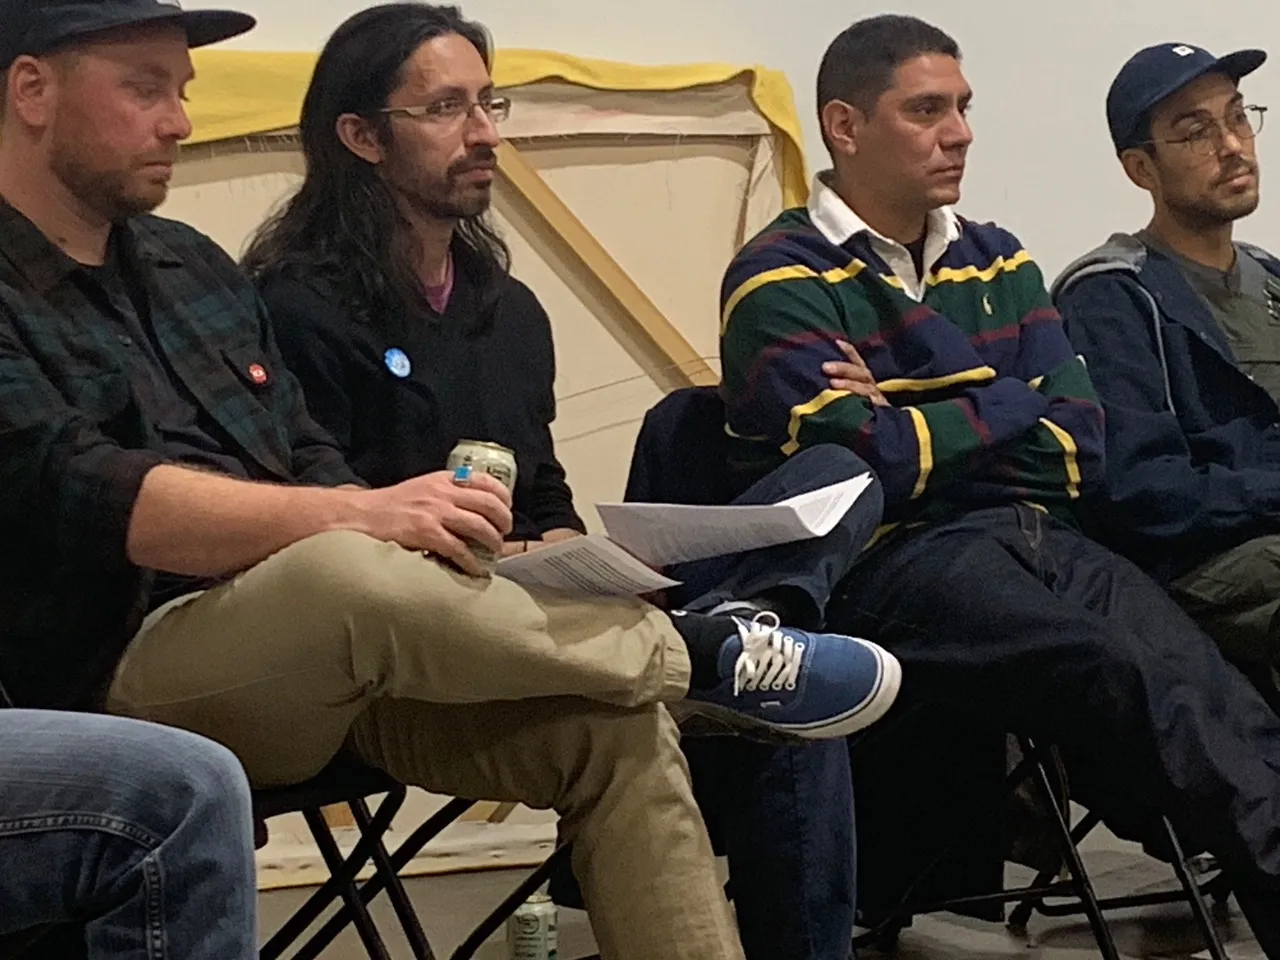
(450, 906)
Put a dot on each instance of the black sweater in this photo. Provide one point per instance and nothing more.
(477, 378)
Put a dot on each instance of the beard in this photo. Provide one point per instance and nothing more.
(113, 193)
(1213, 209)
(443, 197)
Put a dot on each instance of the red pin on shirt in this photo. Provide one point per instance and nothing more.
(258, 374)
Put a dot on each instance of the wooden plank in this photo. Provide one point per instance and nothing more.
(633, 303)
(488, 811)
(338, 815)
(480, 812)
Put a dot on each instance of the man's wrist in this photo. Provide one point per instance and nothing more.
(339, 508)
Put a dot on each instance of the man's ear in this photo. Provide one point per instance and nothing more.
(31, 91)
(360, 136)
(841, 124)
(1140, 167)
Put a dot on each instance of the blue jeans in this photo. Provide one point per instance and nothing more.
(142, 833)
(783, 816)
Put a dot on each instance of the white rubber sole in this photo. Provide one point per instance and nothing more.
(872, 708)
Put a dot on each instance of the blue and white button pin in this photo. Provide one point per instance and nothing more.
(397, 362)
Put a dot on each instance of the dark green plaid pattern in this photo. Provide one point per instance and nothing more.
(74, 445)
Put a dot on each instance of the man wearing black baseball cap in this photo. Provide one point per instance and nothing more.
(38, 27)
(1180, 327)
(91, 121)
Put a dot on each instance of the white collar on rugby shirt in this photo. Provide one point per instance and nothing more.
(838, 223)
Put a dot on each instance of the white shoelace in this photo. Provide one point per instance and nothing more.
(770, 660)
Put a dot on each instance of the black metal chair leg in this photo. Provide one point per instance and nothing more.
(490, 924)
(407, 850)
(1101, 932)
(349, 891)
(1021, 914)
(1195, 896)
(409, 922)
(330, 890)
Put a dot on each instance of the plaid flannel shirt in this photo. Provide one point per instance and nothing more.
(75, 447)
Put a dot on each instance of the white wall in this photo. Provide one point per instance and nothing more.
(1041, 165)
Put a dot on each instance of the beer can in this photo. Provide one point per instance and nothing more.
(479, 456)
(531, 930)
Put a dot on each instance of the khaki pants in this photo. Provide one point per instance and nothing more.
(464, 687)
(1235, 597)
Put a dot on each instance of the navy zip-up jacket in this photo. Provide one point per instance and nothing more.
(1192, 443)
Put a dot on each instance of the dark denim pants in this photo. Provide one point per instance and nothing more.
(140, 832)
(1021, 623)
(783, 816)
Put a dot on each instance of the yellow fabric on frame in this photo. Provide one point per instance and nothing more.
(242, 93)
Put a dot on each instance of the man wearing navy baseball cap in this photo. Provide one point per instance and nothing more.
(1180, 326)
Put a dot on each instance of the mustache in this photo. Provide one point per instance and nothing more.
(1244, 166)
(482, 158)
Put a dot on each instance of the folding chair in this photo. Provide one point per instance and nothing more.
(1036, 766)
(352, 783)
(1194, 892)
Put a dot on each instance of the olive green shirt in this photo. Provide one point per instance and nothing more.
(1245, 301)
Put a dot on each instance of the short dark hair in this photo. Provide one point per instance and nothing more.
(859, 65)
(1142, 135)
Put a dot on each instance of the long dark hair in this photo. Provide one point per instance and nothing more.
(344, 222)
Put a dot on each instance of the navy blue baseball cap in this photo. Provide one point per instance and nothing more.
(1158, 72)
(40, 26)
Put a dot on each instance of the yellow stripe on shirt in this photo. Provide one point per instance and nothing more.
(924, 440)
(1071, 454)
(798, 414)
(793, 272)
(855, 267)
(964, 274)
(909, 385)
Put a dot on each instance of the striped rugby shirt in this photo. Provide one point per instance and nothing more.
(989, 403)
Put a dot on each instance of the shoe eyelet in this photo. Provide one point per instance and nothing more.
(791, 685)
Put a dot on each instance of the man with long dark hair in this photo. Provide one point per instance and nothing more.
(188, 547)
(391, 299)
(981, 420)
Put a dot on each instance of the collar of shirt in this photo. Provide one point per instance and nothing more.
(45, 265)
(1199, 274)
(838, 223)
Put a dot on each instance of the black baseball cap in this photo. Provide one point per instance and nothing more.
(1157, 72)
(40, 26)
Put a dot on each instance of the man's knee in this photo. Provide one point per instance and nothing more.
(341, 567)
(215, 777)
(608, 750)
(831, 461)
(171, 776)
(348, 577)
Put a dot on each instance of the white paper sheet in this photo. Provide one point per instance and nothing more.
(584, 566)
(662, 534)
